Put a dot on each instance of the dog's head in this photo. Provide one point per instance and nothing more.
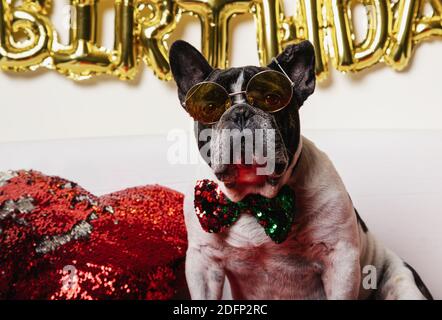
(247, 119)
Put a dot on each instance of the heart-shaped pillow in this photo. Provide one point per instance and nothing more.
(58, 241)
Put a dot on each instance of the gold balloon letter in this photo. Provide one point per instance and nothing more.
(82, 58)
(349, 56)
(268, 19)
(308, 24)
(428, 26)
(214, 16)
(410, 27)
(17, 54)
(125, 50)
(158, 18)
(399, 50)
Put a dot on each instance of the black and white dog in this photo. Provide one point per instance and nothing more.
(328, 245)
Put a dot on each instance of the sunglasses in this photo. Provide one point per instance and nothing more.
(268, 90)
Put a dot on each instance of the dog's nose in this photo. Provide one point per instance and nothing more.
(240, 114)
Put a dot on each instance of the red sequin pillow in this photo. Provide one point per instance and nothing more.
(58, 241)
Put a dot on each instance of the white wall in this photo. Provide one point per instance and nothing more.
(45, 105)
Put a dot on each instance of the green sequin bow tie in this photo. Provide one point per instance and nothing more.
(216, 212)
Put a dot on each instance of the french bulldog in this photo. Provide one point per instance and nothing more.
(328, 246)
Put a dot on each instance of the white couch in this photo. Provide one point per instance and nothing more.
(394, 178)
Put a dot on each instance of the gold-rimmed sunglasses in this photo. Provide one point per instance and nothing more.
(268, 90)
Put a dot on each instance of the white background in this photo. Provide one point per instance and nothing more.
(382, 129)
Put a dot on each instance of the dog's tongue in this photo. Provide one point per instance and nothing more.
(246, 174)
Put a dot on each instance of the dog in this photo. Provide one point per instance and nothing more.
(328, 245)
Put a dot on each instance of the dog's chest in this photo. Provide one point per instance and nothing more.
(256, 266)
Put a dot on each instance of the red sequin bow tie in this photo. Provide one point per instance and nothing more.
(216, 212)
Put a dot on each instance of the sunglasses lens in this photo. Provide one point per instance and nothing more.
(270, 91)
(206, 102)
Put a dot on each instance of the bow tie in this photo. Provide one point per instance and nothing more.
(216, 212)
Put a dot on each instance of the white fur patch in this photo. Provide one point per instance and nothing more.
(237, 87)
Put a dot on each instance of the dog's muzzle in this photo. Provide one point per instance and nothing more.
(247, 148)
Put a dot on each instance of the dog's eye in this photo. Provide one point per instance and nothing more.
(210, 108)
(272, 99)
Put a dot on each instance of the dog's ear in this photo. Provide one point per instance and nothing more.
(188, 66)
(298, 61)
